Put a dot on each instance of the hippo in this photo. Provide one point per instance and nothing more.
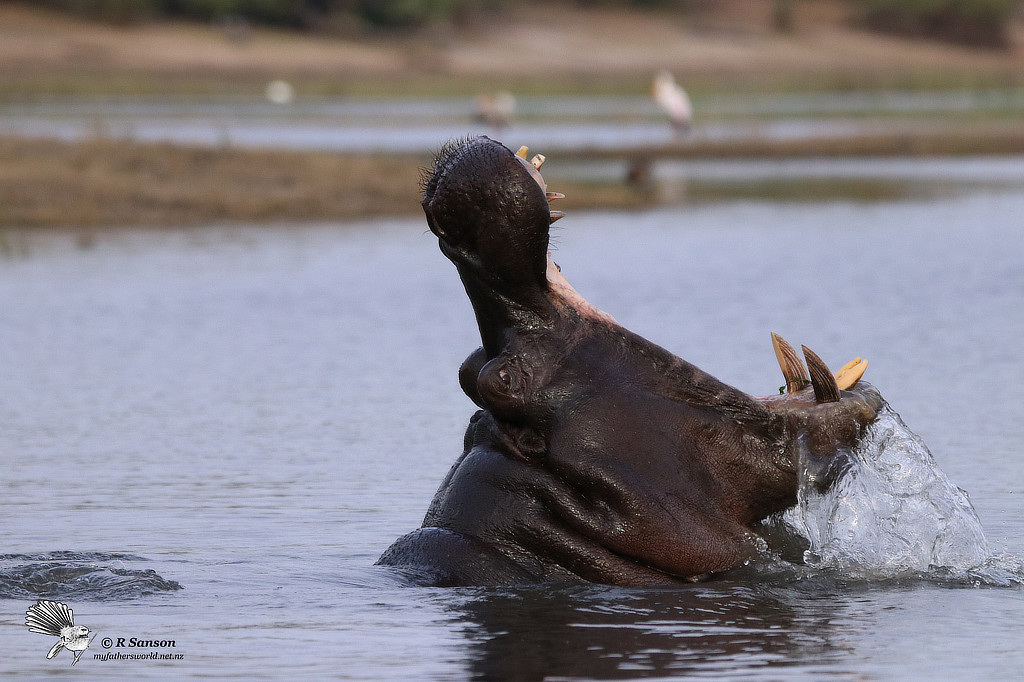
(596, 455)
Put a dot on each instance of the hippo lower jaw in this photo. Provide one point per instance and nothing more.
(597, 455)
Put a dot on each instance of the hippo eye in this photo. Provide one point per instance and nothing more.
(504, 375)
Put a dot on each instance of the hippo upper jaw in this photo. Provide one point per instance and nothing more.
(598, 454)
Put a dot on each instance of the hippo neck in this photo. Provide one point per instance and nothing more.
(500, 315)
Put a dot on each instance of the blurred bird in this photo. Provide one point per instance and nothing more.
(280, 92)
(638, 171)
(495, 110)
(674, 101)
(56, 619)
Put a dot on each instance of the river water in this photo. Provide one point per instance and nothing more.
(210, 435)
(402, 124)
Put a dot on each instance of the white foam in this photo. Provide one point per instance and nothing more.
(891, 511)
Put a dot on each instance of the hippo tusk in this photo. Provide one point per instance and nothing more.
(826, 390)
(536, 162)
(792, 367)
(796, 376)
(850, 374)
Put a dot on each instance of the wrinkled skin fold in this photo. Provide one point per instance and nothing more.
(596, 455)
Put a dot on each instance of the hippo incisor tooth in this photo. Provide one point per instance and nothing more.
(554, 195)
(792, 367)
(523, 151)
(557, 215)
(850, 374)
(826, 390)
(537, 161)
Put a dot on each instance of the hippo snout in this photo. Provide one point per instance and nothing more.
(489, 213)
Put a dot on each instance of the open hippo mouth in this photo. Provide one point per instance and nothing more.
(596, 454)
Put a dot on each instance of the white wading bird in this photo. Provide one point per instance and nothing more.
(674, 100)
(280, 92)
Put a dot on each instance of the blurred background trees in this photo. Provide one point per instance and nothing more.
(973, 22)
(288, 13)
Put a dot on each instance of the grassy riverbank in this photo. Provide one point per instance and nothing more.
(110, 183)
(104, 182)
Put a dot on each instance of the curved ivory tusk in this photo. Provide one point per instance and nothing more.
(792, 367)
(535, 163)
(850, 374)
(826, 390)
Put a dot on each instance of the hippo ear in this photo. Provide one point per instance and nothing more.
(468, 373)
(826, 390)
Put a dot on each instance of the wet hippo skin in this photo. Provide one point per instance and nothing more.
(596, 455)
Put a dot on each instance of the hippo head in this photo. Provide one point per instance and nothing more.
(597, 455)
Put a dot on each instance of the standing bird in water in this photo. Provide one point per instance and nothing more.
(674, 100)
(496, 110)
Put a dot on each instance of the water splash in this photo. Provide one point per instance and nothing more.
(885, 510)
(89, 575)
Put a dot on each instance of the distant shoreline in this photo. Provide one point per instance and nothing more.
(534, 47)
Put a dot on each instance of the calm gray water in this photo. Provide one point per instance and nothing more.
(402, 124)
(252, 414)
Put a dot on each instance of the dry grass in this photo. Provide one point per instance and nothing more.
(111, 183)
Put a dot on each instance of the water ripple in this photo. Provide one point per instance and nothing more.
(67, 575)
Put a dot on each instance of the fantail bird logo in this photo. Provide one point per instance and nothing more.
(56, 619)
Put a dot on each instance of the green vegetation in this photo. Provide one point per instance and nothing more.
(972, 22)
